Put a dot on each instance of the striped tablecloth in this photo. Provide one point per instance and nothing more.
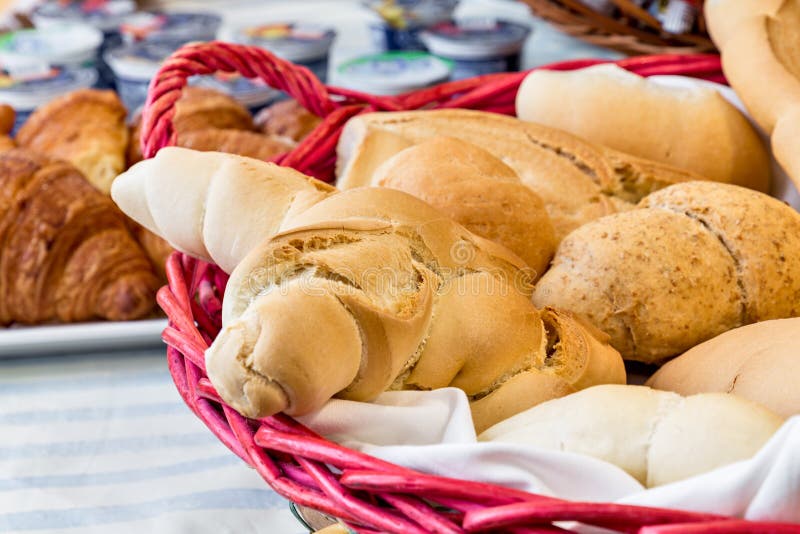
(103, 443)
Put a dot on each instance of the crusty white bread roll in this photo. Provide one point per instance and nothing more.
(429, 305)
(214, 206)
(358, 292)
(760, 362)
(760, 47)
(478, 191)
(692, 128)
(578, 181)
(697, 259)
(786, 143)
(657, 437)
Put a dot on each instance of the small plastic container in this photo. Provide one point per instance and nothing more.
(106, 16)
(64, 44)
(392, 73)
(174, 27)
(305, 44)
(26, 92)
(402, 21)
(477, 46)
(134, 65)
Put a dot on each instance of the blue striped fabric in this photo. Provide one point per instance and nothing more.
(103, 443)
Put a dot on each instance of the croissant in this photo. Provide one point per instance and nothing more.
(250, 144)
(7, 118)
(86, 128)
(350, 294)
(66, 252)
(198, 108)
(286, 118)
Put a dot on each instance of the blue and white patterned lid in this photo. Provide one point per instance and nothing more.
(25, 91)
(475, 38)
(393, 72)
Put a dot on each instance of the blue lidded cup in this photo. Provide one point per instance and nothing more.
(477, 46)
(174, 27)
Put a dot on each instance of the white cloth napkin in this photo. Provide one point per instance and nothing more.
(432, 432)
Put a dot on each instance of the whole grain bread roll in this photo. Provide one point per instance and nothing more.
(692, 128)
(657, 437)
(760, 362)
(695, 260)
(353, 293)
(476, 190)
(578, 181)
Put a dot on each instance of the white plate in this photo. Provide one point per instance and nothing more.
(80, 338)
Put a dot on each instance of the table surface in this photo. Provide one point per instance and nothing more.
(102, 442)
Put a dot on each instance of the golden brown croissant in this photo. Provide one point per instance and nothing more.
(287, 118)
(7, 117)
(248, 144)
(198, 108)
(65, 250)
(86, 128)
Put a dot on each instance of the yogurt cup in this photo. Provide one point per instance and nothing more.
(392, 73)
(305, 44)
(176, 27)
(477, 46)
(104, 15)
(134, 65)
(26, 92)
(401, 21)
(64, 44)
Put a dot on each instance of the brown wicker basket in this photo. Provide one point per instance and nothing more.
(631, 30)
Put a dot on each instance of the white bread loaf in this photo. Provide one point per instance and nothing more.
(692, 128)
(478, 191)
(760, 46)
(213, 206)
(578, 181)
(695, 260)
(658, 437)
(760, 362)
(359, 292)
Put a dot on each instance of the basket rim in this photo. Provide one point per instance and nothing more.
(368, 494)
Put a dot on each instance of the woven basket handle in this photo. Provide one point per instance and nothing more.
(208, 58)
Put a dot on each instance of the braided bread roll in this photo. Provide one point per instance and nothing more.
(354, 293)
(186, 196)
(697, 259)
(67, 253)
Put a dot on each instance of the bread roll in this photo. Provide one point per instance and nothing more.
(689, 128)
(697, 259)
(388, 291)
(577, 181)
(211, 205)
(759, 362)
(657, 437)
(760, 47)
(476, 190)
(786, 144)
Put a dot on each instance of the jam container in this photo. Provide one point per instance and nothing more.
(134, 65)
(401, 21)
(177, 27)
(64, 44)
(27, 90)
(477, 46)
(392, 73)
(305, 44)
(104, 15)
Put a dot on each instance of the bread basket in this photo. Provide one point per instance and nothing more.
(635, 31)
(367, 494)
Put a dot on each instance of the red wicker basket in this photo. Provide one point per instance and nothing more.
(367, 494)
